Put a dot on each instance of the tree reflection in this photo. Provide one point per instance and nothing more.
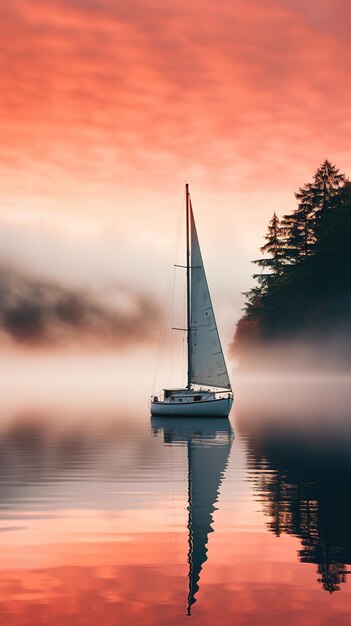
(302, 474)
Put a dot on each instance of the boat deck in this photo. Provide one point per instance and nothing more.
(180, 402)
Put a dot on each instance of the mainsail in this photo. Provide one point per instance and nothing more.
(207, 365)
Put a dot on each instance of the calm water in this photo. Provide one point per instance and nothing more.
(114, 518)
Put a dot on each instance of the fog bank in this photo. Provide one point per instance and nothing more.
(304, 356)
(36, 312)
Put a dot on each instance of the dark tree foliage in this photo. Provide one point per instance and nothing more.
(299, 233)
(324, 191)
(274, 246)
(305, 288)
(272, 265)
(316, 200)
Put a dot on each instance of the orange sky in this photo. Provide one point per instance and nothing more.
(107, 107)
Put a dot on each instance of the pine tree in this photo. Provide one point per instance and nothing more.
(326, 186)
(318, 199)
(275, 246)
(298, 229)
(253, 299)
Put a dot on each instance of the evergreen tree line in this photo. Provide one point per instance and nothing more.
(303, 288)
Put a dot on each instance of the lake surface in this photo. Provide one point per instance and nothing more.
(109, 517)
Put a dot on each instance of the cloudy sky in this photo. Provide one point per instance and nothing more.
(108, 106)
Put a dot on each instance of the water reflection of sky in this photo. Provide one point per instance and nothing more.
(94, 515)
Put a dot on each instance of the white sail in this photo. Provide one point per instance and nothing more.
(207, 365)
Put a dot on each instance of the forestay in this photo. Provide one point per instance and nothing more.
(207, 365)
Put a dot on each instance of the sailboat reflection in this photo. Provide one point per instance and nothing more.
(208, 443)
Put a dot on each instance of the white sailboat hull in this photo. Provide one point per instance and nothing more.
(208, 408)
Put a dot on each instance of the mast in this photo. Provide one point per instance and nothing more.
(188, 386)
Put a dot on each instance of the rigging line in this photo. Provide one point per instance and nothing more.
(170, 289)
(163, 327)
(169, 383)
(184, 364)
(172, 317)
(167, 294)
(161, 331)
(161, 336)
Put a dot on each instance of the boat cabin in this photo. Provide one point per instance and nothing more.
(185, 396)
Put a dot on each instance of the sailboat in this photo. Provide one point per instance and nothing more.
(207, 374)
(208, 445)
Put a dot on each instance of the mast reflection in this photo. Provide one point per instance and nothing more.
(208, 444)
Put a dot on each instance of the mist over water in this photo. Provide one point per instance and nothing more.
(304, 357)
(105, 514)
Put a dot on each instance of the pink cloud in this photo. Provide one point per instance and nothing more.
(238, 87)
